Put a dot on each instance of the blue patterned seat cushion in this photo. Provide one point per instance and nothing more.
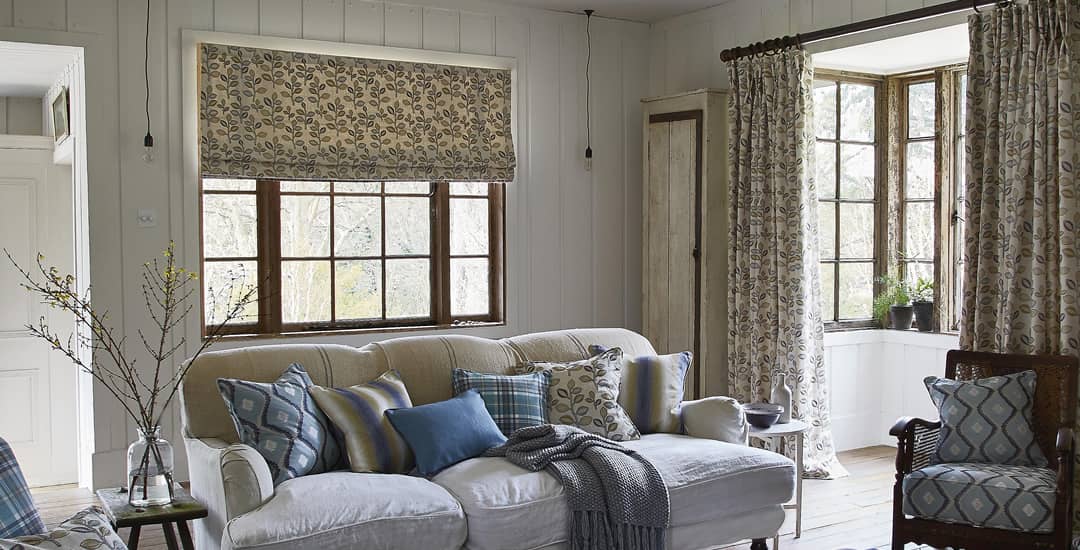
(18, 514)
(514, 402)
(282, 422)
(1017, 498)
(988, 420)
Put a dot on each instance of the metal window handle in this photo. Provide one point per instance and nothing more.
(956, 217)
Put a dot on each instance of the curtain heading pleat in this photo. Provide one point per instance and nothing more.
(291, 115)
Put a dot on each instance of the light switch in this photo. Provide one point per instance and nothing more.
(147, 217)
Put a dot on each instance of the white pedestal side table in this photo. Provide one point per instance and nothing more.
(781, 431)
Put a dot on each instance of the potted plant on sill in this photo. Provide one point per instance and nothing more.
(893, 305)
(922, 299)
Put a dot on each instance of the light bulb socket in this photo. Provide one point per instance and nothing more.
(148, 140)
(588, 152)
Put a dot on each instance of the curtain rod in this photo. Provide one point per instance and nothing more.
(800, 40)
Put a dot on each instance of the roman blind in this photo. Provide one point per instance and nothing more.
(292, 115)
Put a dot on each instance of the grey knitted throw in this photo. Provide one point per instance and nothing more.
(617, 499)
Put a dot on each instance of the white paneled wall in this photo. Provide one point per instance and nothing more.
(685, 50)
(21, 116)
(573, 250)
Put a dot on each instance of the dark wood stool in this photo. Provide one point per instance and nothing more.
(183, 509)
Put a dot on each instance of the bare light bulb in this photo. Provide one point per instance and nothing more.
(588, 159)
(148, 148)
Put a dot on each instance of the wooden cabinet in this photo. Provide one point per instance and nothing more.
(684, 272)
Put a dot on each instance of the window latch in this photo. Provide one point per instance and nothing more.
(956, 217)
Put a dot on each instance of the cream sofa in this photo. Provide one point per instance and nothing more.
(720, 492)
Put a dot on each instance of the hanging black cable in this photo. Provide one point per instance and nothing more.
(148, 139)
(588, 89)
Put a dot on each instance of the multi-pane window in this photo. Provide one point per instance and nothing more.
(919, 181)
(343, 254)
(847, 168)
(959, 181)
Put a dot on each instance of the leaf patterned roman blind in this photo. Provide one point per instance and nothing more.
(291, 115)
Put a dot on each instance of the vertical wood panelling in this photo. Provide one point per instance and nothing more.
(635, 76)
(608, 176)
(477, 33)
(24, 116)
(441, 30)
(89, 15)
(681, 221)
(280, 18)
(403, 25)
(364, 22)
(575, 208)
(5, 13)
(862, 10)
(236, 16)
(801, 18)
(41, 14)
(3, 116)
(830, 13)
(897, 6)
(324, 20)
(774, 15)
(659, 153)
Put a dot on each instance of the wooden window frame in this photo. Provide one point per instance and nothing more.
(269, 261)
(835, 322)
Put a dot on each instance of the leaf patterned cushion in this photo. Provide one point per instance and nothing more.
(86, 530)
(586, 394)
(988, 420)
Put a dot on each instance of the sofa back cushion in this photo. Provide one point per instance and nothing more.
(424, 362)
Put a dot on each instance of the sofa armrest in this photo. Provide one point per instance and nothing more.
(229, 479)
(719, 418)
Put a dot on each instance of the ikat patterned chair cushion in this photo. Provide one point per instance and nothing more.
(988, 420)
(586, 394)
(18, 514)
(514, 401)
(1017, 498)
(282, 422)
(88, 529)
(651, 390)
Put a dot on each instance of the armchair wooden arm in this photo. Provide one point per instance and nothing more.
(915, 442)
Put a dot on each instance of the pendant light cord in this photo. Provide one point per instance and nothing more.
(148, 140)
(588, 83)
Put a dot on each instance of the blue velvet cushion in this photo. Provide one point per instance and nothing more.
(445, 433)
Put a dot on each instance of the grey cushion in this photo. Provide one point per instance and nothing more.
(987, 420)
(1017, 498)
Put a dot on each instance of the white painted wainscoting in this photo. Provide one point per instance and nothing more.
(875, 377)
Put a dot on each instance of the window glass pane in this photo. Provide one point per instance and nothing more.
(469, 286)
(469, 188)
(919, 170)
(857, 171)
(828, 292)
(961, 167)
(305, 187)
(214, 184)
(921, 110)
(825, 109)
(358, 289)
(468, 226)
(408, 288)
(357, 226)
(305, 226)
(224, 284)
(856, 230)
(408, 225)
(856, 290)
(962, 103)
(230, 226)
(919, 230)
(825, 178)
(408, 187)
(856, 112)
(305, 292)
(914, 270)
(827, 229)
(357, 187)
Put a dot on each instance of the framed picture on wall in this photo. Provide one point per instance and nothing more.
(60, 111)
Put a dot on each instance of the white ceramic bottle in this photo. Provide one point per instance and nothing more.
(781, 395)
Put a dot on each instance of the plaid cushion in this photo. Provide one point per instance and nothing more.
(18, 515)
(514, 401)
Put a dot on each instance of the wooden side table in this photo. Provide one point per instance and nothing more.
(798, 429)
(183, 509)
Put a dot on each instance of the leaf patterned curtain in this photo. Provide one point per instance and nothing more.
(1022, 228)
(291, 115)
(774, 310)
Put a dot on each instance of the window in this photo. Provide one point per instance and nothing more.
(333, 255)
(957, 218)
(847, 182)
(918, 192)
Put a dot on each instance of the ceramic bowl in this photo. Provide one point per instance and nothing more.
(762, 415)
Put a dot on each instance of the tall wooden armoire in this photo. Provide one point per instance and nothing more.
(684, 272)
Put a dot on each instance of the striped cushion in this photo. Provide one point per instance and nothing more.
(652, 389)
(18, 515)
(358, 412)
(281, 421)
(514, 401)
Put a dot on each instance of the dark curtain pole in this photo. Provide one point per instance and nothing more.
(800, 40)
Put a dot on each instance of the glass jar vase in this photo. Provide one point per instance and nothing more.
(150, 470)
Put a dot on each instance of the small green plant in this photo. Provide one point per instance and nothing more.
(923, 291)
(896, 292)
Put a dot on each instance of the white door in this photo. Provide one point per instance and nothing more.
(37, 385)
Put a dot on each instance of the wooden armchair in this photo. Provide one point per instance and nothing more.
(1054, 417)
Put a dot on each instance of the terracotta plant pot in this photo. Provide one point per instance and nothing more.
(924, 316)
(901, 317)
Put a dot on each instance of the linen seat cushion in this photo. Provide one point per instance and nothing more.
(514, 402)
(651, 389)
(18, 514)
(346, 510)
(1017, 498)
(701, 476)
(281, 421)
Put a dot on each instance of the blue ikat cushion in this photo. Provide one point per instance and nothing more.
(283, 423)
(514, 402)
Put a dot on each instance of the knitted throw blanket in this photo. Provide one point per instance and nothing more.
(617, 499)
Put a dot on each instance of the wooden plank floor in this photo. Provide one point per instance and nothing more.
(853, 512)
